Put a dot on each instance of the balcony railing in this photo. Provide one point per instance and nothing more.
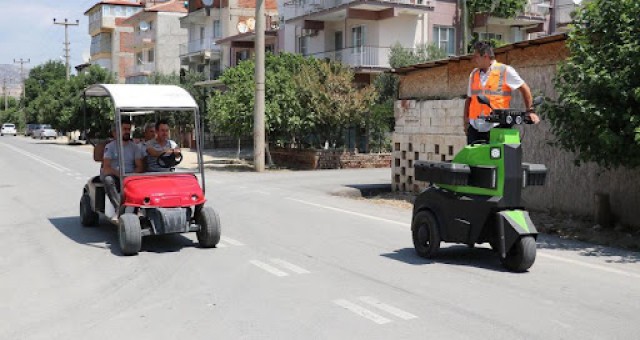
(102, 22)
(142, 38)
(536, 8)
(139, 68)
(358, 56)
(310, 6)
(199, 46)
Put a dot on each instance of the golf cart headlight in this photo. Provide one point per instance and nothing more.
(495, 153)
(194, 197)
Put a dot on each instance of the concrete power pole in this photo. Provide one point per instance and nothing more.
(22, 62)
(67, 51)
(258, 113)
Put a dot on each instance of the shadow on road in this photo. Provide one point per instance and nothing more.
(608, 254)
(454, 255)
(105, 236)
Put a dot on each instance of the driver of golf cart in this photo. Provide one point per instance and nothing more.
(110, 169)
(161, 151)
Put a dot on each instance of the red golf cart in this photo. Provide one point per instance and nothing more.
(152, 203)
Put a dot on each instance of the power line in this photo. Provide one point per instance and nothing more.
(67, 51)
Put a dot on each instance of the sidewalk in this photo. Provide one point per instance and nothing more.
(217, 159)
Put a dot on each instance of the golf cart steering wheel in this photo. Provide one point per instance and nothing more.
(169, 160)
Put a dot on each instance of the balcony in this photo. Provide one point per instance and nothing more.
(337, 10)
(102, 23)
(533, 14)
(141, 69)
(199, 51)
(144, 39)
(359, 56)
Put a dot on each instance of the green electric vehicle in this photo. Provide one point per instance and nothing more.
(476, 198)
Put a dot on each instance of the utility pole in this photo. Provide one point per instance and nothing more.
(67, 51)
(258, 113)
(22, 62)
(4, 92)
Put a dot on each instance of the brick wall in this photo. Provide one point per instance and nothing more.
(328, 159)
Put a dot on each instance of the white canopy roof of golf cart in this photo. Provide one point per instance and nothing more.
(140, 97)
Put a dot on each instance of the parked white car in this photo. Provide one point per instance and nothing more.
(8, 129)
(45, 131)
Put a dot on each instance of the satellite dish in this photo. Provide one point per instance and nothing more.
(144, 26)
(251, 24)
(207, 3)
(242, 27)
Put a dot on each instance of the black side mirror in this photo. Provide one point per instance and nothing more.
(484, 100)
(538, 100)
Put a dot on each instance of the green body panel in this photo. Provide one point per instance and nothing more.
(480, 155)
(518, 217)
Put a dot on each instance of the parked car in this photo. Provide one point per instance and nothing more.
(8, 129)
(45, 131)
(29, 129)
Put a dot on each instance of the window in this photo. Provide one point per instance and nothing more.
(139, 58)
(151, 55)
(358, 38)
(303, 45)
(445, 38)
(201, 37)
(489, 36)
(150, 25)
(217, 31)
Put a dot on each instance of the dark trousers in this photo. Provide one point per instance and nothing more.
(112, 187)
(476, 136)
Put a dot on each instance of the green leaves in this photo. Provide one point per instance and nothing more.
(597, 112)
(305, 100)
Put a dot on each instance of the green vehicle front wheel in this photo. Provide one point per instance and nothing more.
(521, 255)
(426, 234)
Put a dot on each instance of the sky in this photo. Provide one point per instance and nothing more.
(27, 31)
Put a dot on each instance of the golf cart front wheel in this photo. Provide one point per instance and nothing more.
(425, 234)
(521, 255)
(209, 233)
(130, 234)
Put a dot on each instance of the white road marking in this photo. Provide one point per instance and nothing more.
(387, 308)
(361, 311)
(273, 270)
(349, 212)
(292, 267)
(261, 192)
(48, 163)
(553, 257)
(232, 241)
(590, 265)
(79, 178)
(221, 245)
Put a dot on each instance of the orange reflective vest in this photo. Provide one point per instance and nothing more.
(496, 89)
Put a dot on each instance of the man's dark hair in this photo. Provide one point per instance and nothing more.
(123, 120)
(484, 48)
(160, 122)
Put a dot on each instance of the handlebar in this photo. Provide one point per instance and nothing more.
(509, 117)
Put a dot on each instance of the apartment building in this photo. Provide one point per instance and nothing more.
(220, 35)
(157, 37)
(358, 33)
(111, 37)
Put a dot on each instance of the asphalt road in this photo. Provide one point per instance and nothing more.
(294, 263)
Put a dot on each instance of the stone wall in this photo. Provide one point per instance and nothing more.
(429, 123)
(328, 159)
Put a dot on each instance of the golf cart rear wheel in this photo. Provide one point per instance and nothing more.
(425, 233)
(209, 233)
(88, 217)
(521, 255)
(130, 234)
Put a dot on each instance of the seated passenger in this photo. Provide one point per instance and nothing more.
(159, 146)
(110, 169)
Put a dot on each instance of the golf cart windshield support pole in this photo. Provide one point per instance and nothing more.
(120, 153)
(84, 115)
(199, 146)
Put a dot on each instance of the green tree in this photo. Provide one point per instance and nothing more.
(303, 96)
(596, 114)
(497, 8)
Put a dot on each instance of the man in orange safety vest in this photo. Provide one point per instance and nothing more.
(496, 81)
